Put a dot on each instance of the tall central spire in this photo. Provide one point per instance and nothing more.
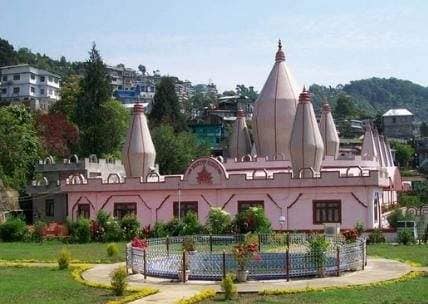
(274, 111)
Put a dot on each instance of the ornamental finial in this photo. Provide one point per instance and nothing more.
(280, 56)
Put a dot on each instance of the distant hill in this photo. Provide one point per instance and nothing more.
(376, 95)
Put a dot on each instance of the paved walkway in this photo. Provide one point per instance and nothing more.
(169, 292)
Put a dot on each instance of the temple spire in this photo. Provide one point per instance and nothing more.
(240, 143)
(138, 153)
(306, 144)
(329, 132)
(274, 111)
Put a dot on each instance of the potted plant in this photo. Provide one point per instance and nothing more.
(243, 253)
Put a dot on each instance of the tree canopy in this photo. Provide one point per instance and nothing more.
(19, 145)
(174, 151)
(69, 93)
(403, 153)
(166, 107)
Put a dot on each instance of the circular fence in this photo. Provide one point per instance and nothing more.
(281, 256)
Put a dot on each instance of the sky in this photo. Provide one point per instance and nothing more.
(232, 42)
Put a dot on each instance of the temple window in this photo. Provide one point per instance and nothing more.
(50, 207)
(123, 209)
(244, 205)
(183, 208)
(327, 212)
(376, 206)
(83, 210)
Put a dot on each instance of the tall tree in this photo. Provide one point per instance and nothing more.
(57, 133)
(166, 107)
(114, 126)
(174, 151)
(344, 108)
(95, 91)
(7, 53)
(403, 153)
(19, 146)
(424, 129)
(69, 93)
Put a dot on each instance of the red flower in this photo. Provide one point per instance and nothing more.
(138, 243)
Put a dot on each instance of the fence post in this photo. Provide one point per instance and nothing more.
(260, 242)
(132, 260)
(224, 264)
(144, 264)
(211, 243)
(363, 255)
(184, 267)
(167, 244)
(338, 260)
(287, 263)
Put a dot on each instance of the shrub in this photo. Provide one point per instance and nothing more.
(376, 237)
(252, 220)
(174, 227)
(112, 250)
(318, 245)
(160, 230)
(99, 226)
(219, 221)
(112, 231)
(64, 258)
(406, 237)
(359, 227)
(80, 231)
(38, 229)
(228, 286)
(130, 226)
(398, 215)
(118, 281)
(14, 229)
(190, 225)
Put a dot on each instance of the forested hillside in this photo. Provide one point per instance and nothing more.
(376, 95)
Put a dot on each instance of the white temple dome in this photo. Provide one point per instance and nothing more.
(274, 111)
(138, 153)
(240, 143)
(329, 132)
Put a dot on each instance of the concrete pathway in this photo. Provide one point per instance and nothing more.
(170, 292)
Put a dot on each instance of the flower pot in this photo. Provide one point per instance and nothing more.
(242, 275)
(180, 275)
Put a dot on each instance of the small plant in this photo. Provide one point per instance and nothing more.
(406, 237)
(318, 246)
(130, 226)
(359, 227)
(112, 250)
(350, 235)
(113, 232)
(244, 252)
(376, 237)
(188, 244)
(118, 281)
(190, 224)
(64, 258)
(228, 286)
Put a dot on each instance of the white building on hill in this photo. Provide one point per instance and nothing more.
(23, 83)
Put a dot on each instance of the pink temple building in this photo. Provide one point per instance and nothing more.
(294, 171)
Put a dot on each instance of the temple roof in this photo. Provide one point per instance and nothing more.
(274, 110)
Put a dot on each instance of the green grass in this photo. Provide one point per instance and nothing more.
(413, 253)
(414, 291)
(43, 285)
(48, 251)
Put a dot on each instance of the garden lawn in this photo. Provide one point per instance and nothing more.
(48, 251)
(44, 285)
(414, 291)
(412, 253)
